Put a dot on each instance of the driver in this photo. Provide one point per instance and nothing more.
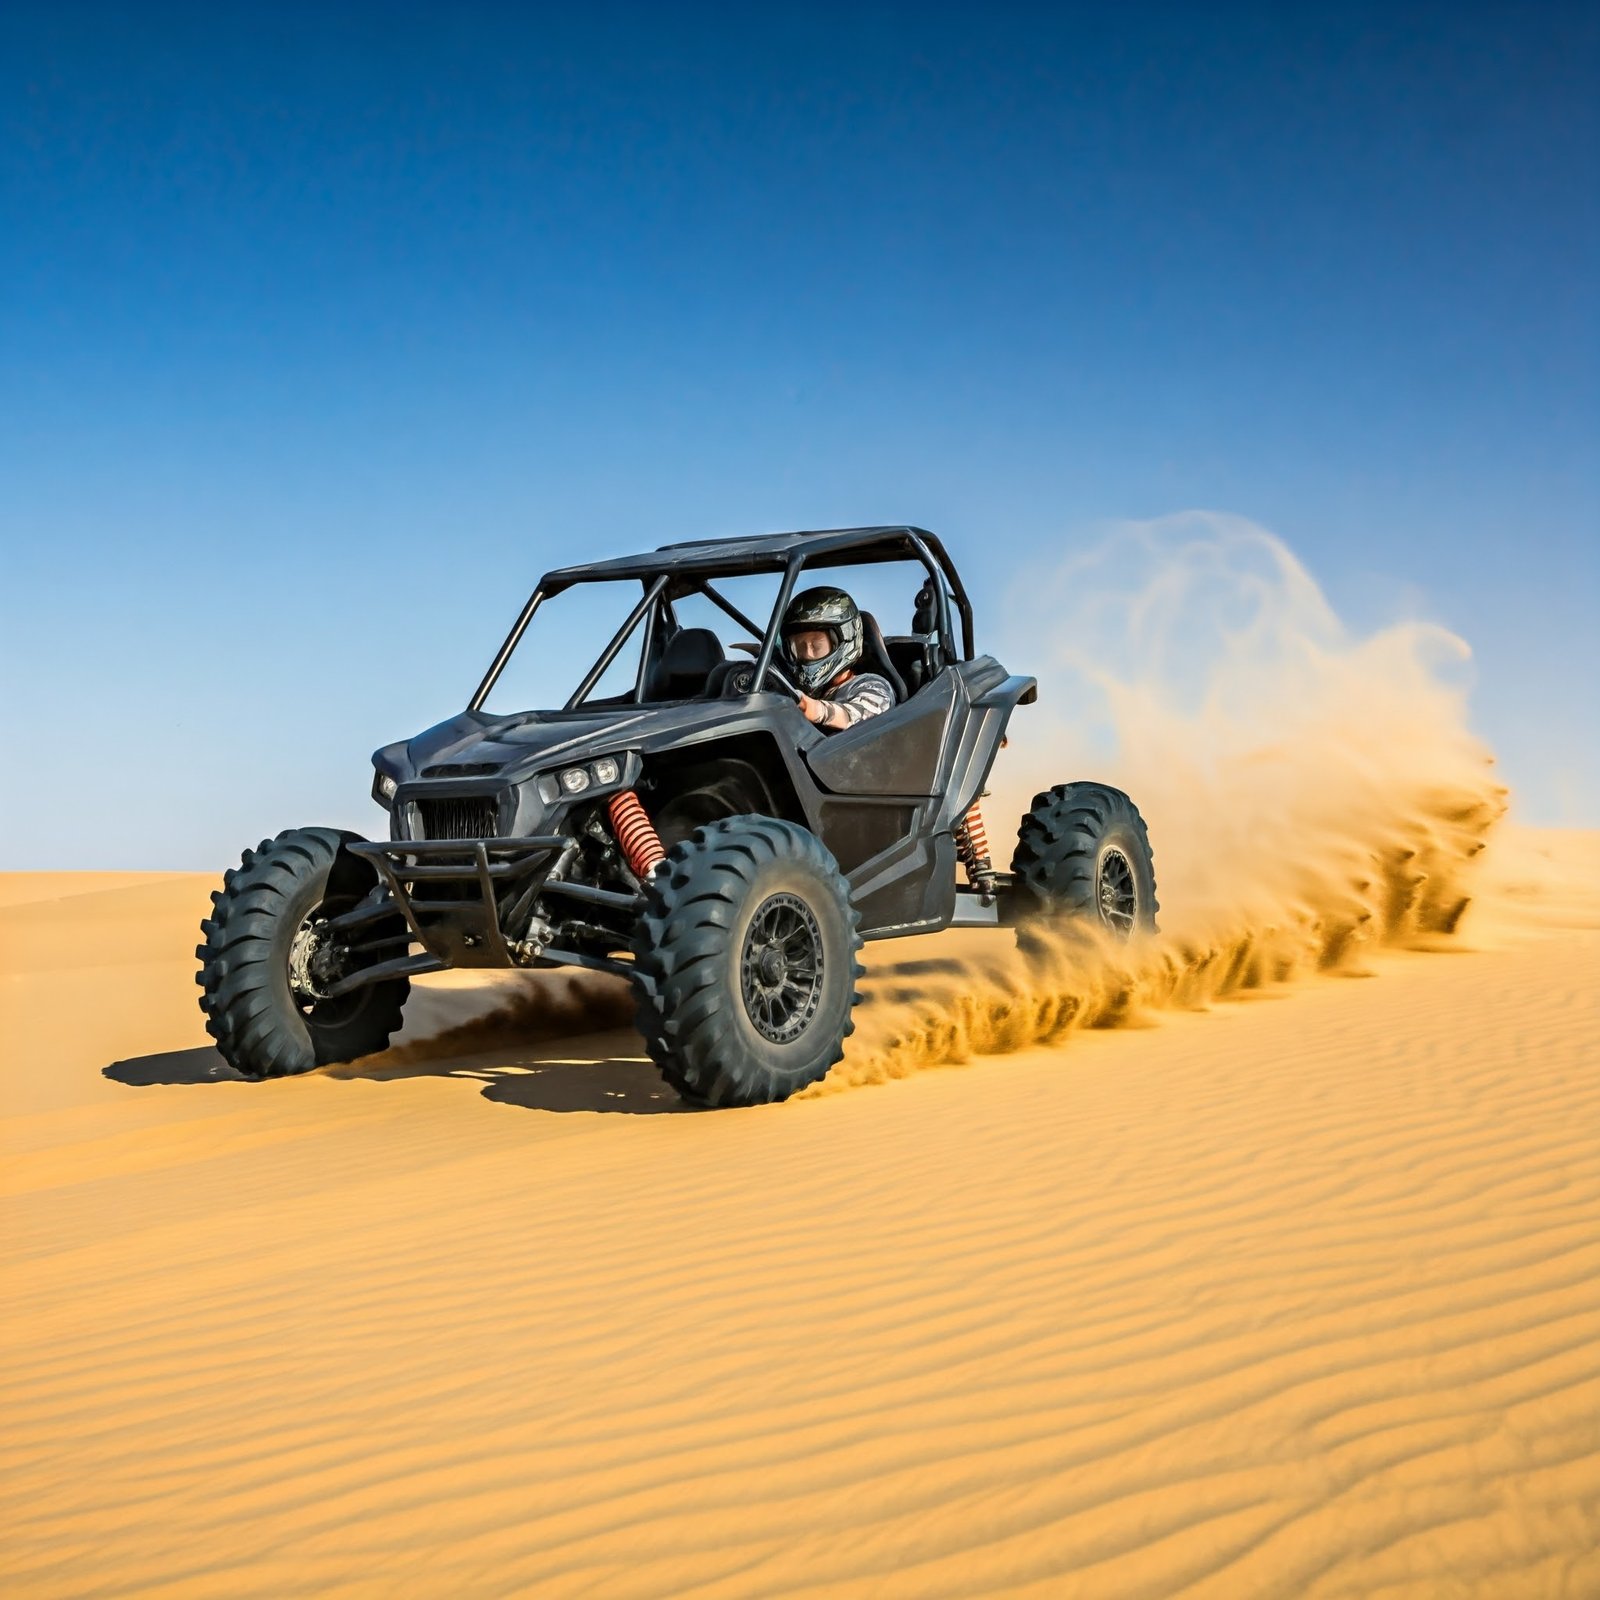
(821, 636)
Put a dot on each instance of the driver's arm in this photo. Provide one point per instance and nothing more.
(863, 696)
(824, 713)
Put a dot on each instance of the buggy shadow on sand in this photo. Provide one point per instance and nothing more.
(692, 832)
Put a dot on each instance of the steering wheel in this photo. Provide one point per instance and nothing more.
(742, 681)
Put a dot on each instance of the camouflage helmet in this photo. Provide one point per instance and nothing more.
(829, 611)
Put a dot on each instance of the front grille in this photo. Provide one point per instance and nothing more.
(461, 769)
(467, 817)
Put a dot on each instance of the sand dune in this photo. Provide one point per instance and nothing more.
(1299, 1296)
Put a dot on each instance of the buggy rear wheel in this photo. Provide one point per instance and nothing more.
(264, 965)
(745, 962)
(1083, 852)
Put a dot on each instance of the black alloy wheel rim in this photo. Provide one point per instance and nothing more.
(304, 988)
(780, 968)
(1116, 893)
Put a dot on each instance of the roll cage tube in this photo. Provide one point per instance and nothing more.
(503, 655)
(645, 607)
(933, 551)
(652, 618)
(727, 607)
(768, 644)
(942, 610)
(646, 603)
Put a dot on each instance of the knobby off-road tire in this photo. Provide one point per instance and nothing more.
(263, 1026)
(745, 962)
(1083, 852)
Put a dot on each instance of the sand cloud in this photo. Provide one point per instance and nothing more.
(1311, 792)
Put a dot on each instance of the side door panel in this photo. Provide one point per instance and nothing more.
(892, 789)
(894, 753)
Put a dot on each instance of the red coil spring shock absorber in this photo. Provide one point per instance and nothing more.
(972, 845)
(636, 834)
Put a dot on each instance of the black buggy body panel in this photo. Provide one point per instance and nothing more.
(884, 796)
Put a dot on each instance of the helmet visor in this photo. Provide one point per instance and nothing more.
(814, 653)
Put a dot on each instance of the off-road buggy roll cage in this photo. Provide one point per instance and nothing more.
(676, 570)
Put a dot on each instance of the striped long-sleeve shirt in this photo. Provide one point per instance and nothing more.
(863, 696)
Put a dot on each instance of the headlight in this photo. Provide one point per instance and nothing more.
(383, 789)
(604, 772)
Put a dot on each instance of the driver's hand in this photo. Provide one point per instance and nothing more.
(813, 710)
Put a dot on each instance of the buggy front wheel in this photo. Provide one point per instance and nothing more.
(745, 962)
(265, 961)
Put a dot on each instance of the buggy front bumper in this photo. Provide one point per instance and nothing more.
(468, 902)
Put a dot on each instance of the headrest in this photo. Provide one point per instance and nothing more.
(875, 655)
(686, 662)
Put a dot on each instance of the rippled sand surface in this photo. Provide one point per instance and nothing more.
(1298, 1294)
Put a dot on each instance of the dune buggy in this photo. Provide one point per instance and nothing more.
(676, 822)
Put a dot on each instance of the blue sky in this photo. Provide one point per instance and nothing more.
(323, 330)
